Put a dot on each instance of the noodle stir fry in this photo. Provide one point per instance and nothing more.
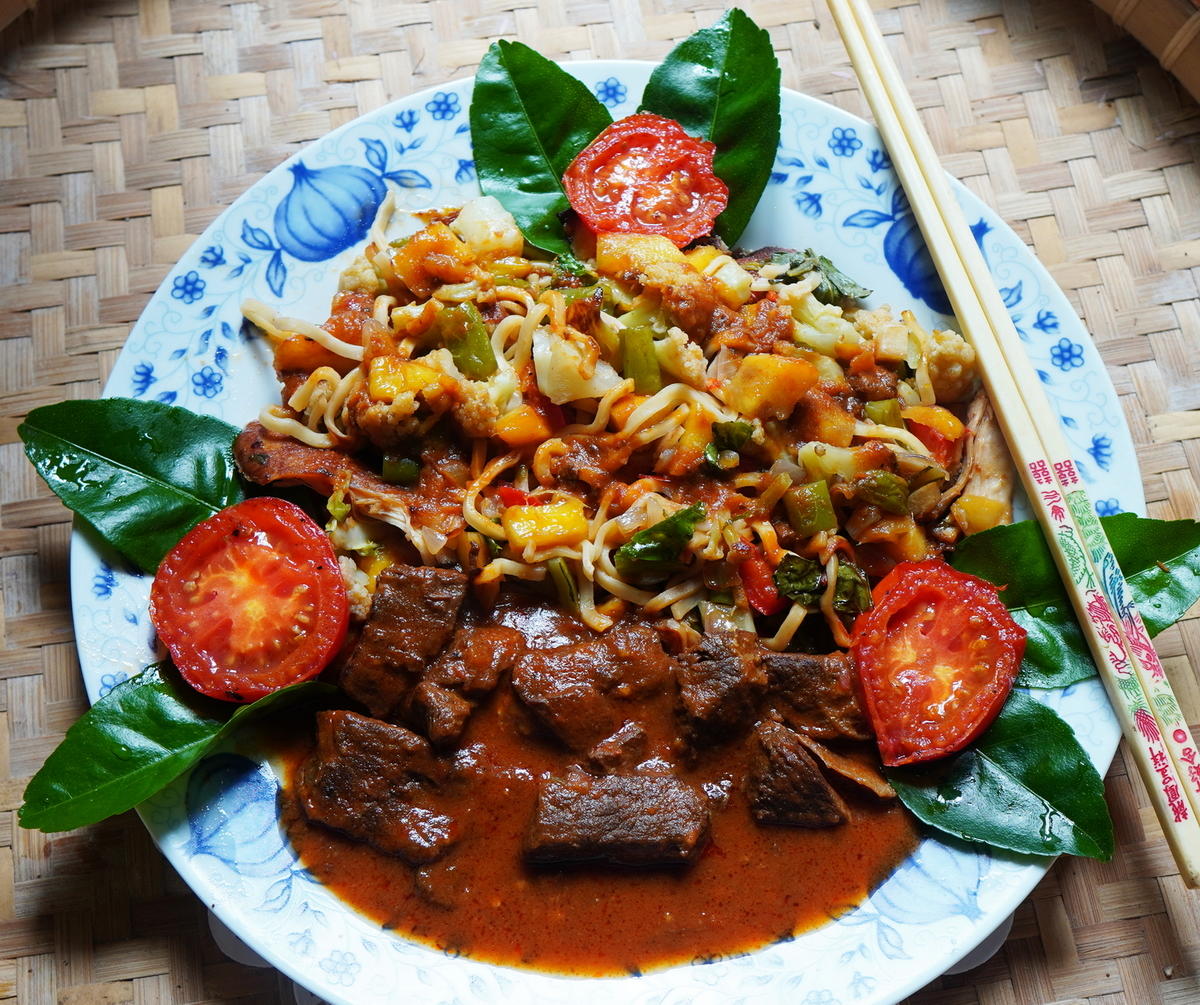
(684, 432)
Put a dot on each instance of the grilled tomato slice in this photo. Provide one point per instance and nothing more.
(250, 600)
(645, 175)
(937, 656)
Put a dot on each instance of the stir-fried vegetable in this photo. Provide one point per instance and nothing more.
(654, 553)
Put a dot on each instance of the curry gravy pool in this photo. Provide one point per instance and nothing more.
(748, 885)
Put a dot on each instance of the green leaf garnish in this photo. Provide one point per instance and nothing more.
(140, 472)
(722, 84)
(143, 734)
(529, 120)
(835, 285)
(1042, 797)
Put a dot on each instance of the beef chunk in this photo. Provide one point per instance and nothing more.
(440, 714)
(411, 619)
(720, 684)
(644, 820)
(577, 692)
(475, 659)
(377, 783)
(623, 749)
(816, 694)
(785, 784)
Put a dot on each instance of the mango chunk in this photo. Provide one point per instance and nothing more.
(767, 386)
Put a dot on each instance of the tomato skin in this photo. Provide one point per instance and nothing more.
(250, 600)
(937, 656)
(944, 450)
(510, 495)
(645, 175)
(758, 580)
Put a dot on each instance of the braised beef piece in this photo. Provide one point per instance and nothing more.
(440, 714)
(475, 659)
(640, 820)
(377, 783)
(816, 694)
(785, 785)
(624, 749)
(578, 691)
(412, 617)
(720, 684)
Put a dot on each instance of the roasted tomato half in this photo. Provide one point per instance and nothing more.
(250, 600)
(937, 656)
(645, 175)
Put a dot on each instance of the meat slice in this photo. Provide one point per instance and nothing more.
(475, 659)
(439, 713)
(411, 620)
(786, 786)
(578, 692)
(641, 820)
(435, 501)
(816, 694)
(377, 783)
(624, 749)
(858, 766)
(720, 684)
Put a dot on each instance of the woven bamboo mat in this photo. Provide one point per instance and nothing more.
(127, 125)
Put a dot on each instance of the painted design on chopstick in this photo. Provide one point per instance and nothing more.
(1178, 743)
(1101, 607)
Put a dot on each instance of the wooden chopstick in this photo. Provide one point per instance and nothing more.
(1154, 727)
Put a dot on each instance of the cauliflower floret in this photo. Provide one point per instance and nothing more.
(560, 366)
(682, 358)
(358, 588)
(386, 423)
(488, 228)
(361, 275)
(952, 369)
(482, 401)
(819, 326)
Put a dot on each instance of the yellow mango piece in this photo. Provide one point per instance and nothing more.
(703, 256)
(767, 386)
(620, 254)
(940, 420)
(523, 426)
(974, 513)
(390, 376)
(559, 523)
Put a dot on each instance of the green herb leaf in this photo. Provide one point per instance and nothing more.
(722, 84)
(803, 580)
(731, 435)
(1017, 558)
(834, 285)
(143, 734)
(654, 553)
(800, 579)
(852, 594)
(140, 472)
(727, 436)
(1042, 798)
(529, 120)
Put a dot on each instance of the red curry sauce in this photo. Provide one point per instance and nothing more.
(752, 886)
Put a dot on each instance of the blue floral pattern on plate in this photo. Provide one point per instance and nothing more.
(284, 242)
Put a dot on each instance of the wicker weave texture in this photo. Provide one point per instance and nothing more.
(127, 125)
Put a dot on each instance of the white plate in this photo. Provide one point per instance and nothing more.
(284, 242)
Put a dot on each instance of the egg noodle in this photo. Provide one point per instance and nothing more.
(593, 408)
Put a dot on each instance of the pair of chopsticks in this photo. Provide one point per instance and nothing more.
(1159, 740)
